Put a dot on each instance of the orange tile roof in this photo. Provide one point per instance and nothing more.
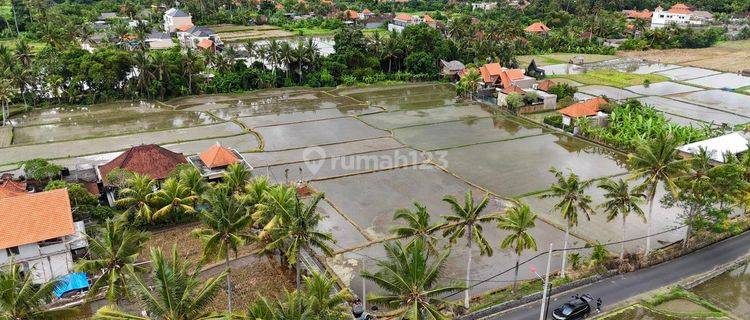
(366, 11)
(205, 44)
(35, 217)
(184, 27)
(149, 159)
(513, 89)
(680, 8)
(515, 74)
(505, 79)
(495, 69)
(10, 188)
(537, 27)
(218, 156)
(586, 108)
(428, 19)
(351, 14)
(279, 6)
(635, 14)
(403, 17)
(546, 84)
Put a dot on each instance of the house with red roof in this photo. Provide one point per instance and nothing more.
(538, 28)
(591, 108)
(213, 162)
(149, 159)
(632, 15)
(403, 20)
(494, 75)
(38, 232)
(680, 14)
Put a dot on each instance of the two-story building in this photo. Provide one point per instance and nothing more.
(174, 18)
(679, 14)
(39, 233)
(199, 37)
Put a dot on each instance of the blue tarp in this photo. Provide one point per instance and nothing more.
(71, 282)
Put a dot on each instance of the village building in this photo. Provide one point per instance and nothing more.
(403, 20)
(591, 108)
(175, 17)
(39, 233)
(632, 15)
(717, 148)
(496, 76)
(537, 28)
(212, 163)
(679, 14)
(199, 37)
(158, 40)
(452, 68)
(151, 160)
(483, 6)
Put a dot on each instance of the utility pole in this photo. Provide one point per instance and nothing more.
(364, 290)
(543, 311)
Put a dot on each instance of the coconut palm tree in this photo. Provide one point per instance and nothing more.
(274, 201)
(656, 162)
(136, 197)
(621, 200)
(173, 199)
(573, 201)
(519, 220)
(113, 253)
(7, 91)
(224, 230)
(175, 291)
(236, 177)
(191, 178)
(409, 277)
(21, 299)
(467, 220)
(292, 305)
(417, 225)
(320, 301)
(470, 81)
(254, 190)
(297, 230)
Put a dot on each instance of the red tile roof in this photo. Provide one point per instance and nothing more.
(495, 69)
(537, 27)
(546, 84)
(635, 14)
(35, 217)
(428, 19)
(10, 188)
(218, 156)
(149, 159)
(515, 74)
(184, 27)
(513, 89)
(505, 79)
(366, 11)
(680, 8)
(206, 44)
(586, 108)
(351, 14)
(403, 17)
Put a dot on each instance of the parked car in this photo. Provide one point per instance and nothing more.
(579, 307)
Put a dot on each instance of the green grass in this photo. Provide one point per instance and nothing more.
(313, 32)
(739, 44)
(6, 11)
(11, 44)
(609, 77)
(745, 90)
(559, 58)
(504, 295)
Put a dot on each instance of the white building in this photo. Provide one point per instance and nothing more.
(174, 18)
(717, 148)
(681, 15)
(38, 232)
(483, 6)
(199, 37)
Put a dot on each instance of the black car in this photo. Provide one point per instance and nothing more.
(577, 308)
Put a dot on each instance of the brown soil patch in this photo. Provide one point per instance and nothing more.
(188, 246)
(262, 277)
(728, 57)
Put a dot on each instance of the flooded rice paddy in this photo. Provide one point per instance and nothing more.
(686, 73)
(729, 291)
(662, 89)
(693, 111)
(609, 92)
(363, 147)
(731, 102)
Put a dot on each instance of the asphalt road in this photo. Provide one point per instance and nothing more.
(623, 287)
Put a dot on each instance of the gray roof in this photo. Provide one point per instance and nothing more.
(200, 31)
(156, 35)
(107, 15)
(453, 65)
(174, 12)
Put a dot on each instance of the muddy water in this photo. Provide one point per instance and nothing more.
(73, 114)
(314, 133)
(730, 291)
(721, 100)
(693, 111)
(400, 119)
(308, 115)
(241, 108)
(640, 313)
(465, 132)
(112, 125)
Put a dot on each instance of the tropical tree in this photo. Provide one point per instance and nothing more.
(470, 81)
(519, 220)
(656, 162)
(6, 96)
(113, 253)
(175, 292)
(136, 197)
(409, 276)
(273, 203)
(173, 198)
(417, 225)
(21, 299)
(236, 177)
(621, 200)
(467, 220)
(225, 224)
(297, 230)
(320, 301)
(573, 201)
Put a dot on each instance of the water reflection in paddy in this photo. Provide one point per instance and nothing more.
(729, 291)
